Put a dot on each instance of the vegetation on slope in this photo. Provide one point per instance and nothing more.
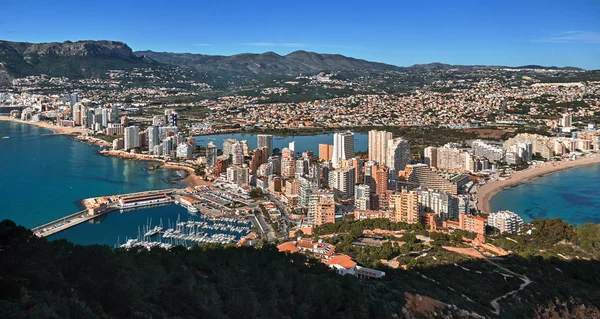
(42, 279)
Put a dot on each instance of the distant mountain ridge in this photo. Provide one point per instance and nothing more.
(89, 58)
(438, 65)
(71, 59)
(266, 63)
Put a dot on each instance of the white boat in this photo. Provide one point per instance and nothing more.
(192, 209)
(5, 137)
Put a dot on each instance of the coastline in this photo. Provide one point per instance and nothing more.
(56, 129)
(486, 192)
(191, 179)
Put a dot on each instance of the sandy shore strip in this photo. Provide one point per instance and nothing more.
(47, 125)
(192, 179)
(487, 191)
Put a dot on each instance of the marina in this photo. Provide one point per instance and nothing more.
(196, 230)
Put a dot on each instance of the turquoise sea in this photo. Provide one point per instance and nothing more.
(572, 194)
(44, 176)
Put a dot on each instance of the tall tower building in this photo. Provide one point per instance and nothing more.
(132, 137)
(264, 140)
(152, 137)
(341, 181)
(378, 144)
(406, 207)
(362, 197)
(211, 154)
(343, 147)
(325, 152)
(114, 113)
(397, 154)
(567, 120)
(430, 156)
(323, 209)
(237, 153)
(105, 117)
(227, 146)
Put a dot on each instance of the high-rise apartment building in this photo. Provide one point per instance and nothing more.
(323, 209)
(406, 207)
(211, 154)
(325, 152)
(259, 157)
(397, 154)
(237, 153)
(184, 150)
(227, 146)
(153, 139)
(237, 175)
(132, 138)
(475, 224)
(275, 162)
(378, 144)
(441, 203)
(288, 167)
(362, 197)
(341, 181)
(430, 156)
(343, 147)
(505, 221)
(421, 175)
(264, 140)
(566, 120)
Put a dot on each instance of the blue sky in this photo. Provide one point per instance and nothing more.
(397, 32)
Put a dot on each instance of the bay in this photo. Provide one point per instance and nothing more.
(572, 194)
(44, 176)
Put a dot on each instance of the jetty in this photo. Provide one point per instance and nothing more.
(113, 203)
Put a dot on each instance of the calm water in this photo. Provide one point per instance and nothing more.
(573, 195)
(303, 143)
(117, 227)
(44, 177)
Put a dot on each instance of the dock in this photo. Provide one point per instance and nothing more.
(118, 203)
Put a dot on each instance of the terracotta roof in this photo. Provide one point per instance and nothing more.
(342, 260)
(479, 218)
(288, 247)
(305, 244)
(191, 200)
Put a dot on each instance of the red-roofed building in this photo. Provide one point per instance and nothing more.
(319, 249)
(289, 247)
(343, 264)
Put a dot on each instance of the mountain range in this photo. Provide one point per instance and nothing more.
(89, 58)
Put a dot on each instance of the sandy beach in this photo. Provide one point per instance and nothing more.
(487, 191)
(191, 179)
(57, 129)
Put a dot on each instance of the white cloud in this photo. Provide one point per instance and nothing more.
(573, 37)
(202, 44)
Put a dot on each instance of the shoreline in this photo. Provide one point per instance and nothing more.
(60, 130)
(191, 179)
(487, 192)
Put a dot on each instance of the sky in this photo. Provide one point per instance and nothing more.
(483, 32)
